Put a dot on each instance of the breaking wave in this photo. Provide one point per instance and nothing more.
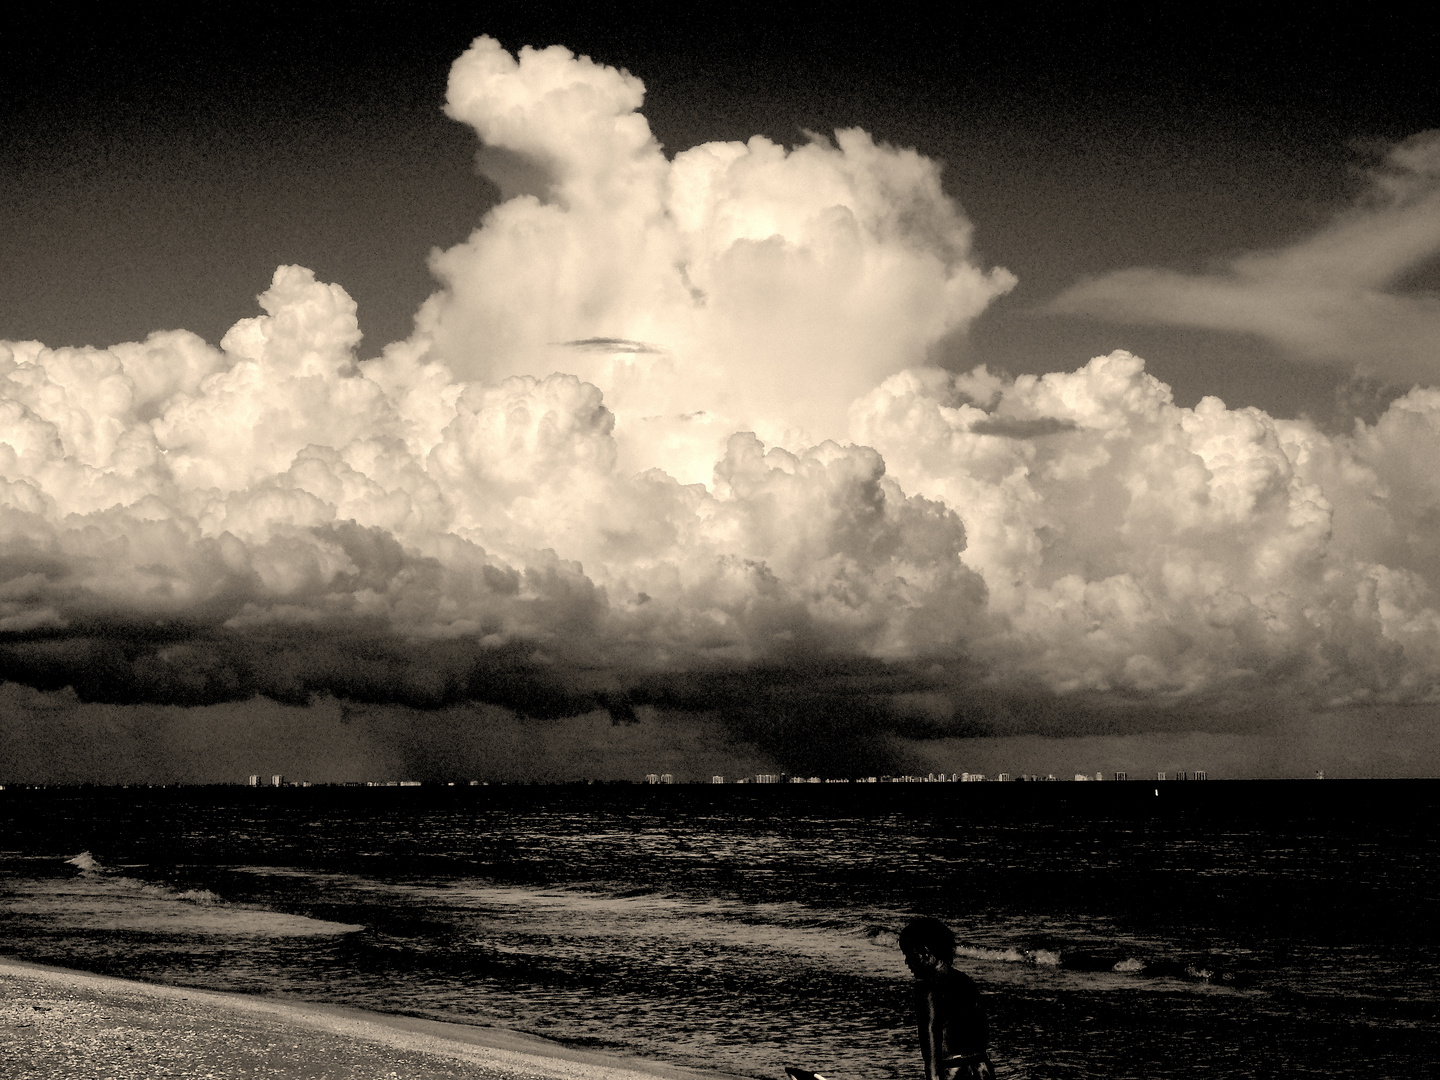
(1039, 957)
(88, 864)
(100, 897)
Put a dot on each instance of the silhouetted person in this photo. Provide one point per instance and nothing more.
(954, 1033)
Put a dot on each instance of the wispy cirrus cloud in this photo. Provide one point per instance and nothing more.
(1331, 297)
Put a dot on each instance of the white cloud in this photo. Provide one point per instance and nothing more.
(1132, 545)
(254, 487)
(1329, 297)
(455, 519)
(770, 286)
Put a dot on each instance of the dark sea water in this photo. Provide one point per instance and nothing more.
(1262, 929)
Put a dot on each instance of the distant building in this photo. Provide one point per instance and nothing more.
(717, 779)
(1081, 776)
(1200, 774)
(767, 778)
(667, 778)
(1121, 775)
(254, 780)
(1159, 776)
(1003, 777)
(1182, 775)
(277, 780)
(409, 783)
(1099, 776)
(652, 778)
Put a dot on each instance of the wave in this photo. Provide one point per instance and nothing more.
(882, 935)
(1191, 970)
(101, 897)
(1010, 955)
(87, 863)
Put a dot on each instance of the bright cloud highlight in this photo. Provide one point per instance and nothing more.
(739, 286)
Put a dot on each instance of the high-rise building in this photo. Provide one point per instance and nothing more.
(254, 780)
(667, 778)
(277, 780)
(652, 778)
(717, 779)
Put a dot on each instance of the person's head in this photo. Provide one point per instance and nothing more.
(929, 947)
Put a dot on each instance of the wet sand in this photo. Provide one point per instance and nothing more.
(60, 1023)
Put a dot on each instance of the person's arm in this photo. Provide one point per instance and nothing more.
(932, 1037)
(981, 1021)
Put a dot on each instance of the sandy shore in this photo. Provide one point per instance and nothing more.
(60, 1023)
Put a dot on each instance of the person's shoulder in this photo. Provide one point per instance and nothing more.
(957, 982)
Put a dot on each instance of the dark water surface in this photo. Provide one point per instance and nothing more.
(1231, 929)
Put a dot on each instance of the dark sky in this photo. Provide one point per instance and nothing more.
(157, 168)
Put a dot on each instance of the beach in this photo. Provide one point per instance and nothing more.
(1237, 930)
(55, 1022)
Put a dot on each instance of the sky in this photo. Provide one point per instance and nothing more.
(474, 392)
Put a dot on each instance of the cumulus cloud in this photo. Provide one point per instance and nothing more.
(739, 286)
(1132, 546)
(1330, 297)
(294, 500)
(509, 507)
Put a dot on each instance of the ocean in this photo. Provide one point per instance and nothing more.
(1130, 929)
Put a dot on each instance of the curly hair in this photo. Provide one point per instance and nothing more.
(929, 934)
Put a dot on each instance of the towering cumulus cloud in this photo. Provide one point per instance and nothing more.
(740, 286)
(665, 437)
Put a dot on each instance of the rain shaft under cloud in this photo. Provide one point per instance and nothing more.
(666, 437)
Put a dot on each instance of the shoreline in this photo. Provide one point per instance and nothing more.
(64, 1022)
